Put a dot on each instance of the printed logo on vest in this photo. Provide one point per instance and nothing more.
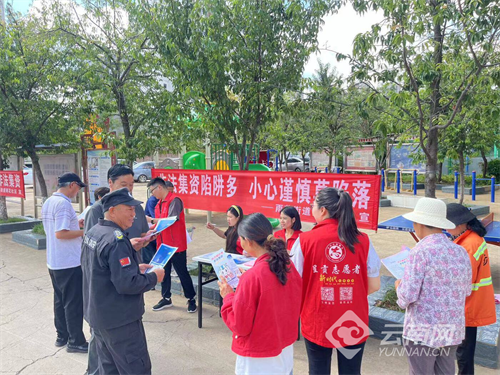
(335, 252)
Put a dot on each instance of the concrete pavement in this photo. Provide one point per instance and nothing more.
(175, 343)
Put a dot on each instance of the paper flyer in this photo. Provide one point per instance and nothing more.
(84, 212)
(224, 266)
(161, 226)
(162, 256)
(396, 263)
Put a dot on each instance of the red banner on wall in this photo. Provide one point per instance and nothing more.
(269, 192)
(12, 184)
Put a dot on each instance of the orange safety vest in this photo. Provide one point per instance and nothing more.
(480, 305)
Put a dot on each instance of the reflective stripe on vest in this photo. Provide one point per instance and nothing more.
(480, 250)
(483, 282)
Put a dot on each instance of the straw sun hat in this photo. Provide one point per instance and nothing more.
(431, 212)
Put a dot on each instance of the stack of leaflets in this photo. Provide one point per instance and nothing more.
(162, 256)
(396, 263)
(225, 267)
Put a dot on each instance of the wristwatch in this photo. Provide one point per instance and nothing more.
(152, 221)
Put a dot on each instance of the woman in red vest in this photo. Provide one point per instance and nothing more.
(291, 226)
(264, 311)
(339, 268)
(234, 217)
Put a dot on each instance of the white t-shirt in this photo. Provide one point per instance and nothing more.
(58, 214)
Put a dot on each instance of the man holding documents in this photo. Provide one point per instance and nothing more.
(113, 288)
(170, 205)
(119, 176)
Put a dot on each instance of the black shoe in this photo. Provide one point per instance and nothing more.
(72, 348)
(164, 303)
(192, 306)
(61, 341)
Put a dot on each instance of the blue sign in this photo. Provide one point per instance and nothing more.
(402, 157)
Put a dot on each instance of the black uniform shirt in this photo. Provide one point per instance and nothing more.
(113, 285)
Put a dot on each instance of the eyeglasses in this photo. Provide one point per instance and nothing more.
(151, 191)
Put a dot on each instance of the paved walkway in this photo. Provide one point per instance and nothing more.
(175, 343)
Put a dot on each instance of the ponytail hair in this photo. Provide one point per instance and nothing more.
(338, 203)
(477, 227)
(256, 227)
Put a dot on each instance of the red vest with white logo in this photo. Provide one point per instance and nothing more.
(335, 287)
(175, 235)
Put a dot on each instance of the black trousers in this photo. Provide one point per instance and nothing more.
(123, 350)
(179, 261)
(68, 304)
(320, 359)
(466, 351)
(149, 252)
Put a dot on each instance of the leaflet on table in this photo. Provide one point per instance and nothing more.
(224, 266)
(162, 256)
(161, 226)
(396, 263)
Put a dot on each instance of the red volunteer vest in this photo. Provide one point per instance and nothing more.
(291, 241)
(335, 288)
(175, 235)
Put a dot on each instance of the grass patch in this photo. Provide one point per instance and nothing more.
(12, 220)
(389, 301)
(38, 229)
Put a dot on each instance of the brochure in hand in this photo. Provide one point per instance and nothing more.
(161, 226)
(162, 256)
(396, 263)
(224, 266)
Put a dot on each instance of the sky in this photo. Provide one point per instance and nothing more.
(337, 34)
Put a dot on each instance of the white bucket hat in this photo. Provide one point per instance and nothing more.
(431, 212)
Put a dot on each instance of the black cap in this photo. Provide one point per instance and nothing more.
(458, 214)
(70, 177)
(117, 197)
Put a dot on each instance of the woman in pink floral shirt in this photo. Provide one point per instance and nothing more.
(433, 292)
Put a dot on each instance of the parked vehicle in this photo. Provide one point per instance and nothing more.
(295, 164)
(28, 175)
(142, 171)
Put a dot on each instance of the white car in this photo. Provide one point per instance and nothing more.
(28, 175)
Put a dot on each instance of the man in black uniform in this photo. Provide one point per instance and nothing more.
(113, 288)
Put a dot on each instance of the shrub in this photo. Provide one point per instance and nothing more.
(390, 301)
(494, 168)
(38, 229)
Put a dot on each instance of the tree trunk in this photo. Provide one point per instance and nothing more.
(485, 164)
(38, 171)
(440, 172)
(286, 159)
(431, 164)
(3, 200)
(303, 153)
(330, 161)
(461, 166)
(124, 118)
